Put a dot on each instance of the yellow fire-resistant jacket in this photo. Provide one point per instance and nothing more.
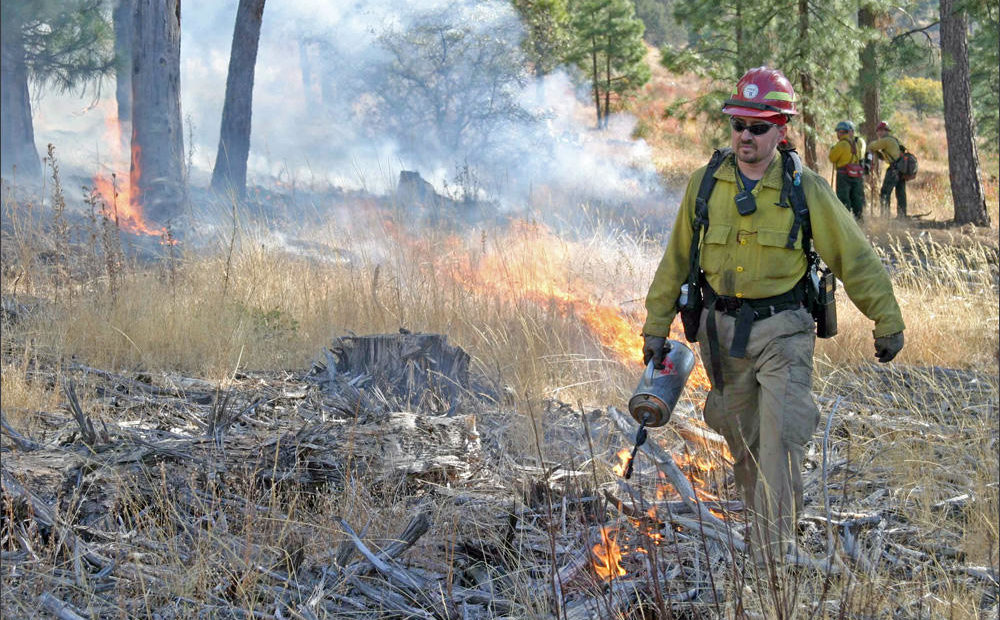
(887, 148)
(841, 155)
(745, 256)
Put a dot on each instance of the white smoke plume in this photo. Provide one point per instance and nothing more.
(319, 119)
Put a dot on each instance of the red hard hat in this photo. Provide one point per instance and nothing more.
(882, 125)
(761, 93)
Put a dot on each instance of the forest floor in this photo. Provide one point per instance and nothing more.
(183, 438)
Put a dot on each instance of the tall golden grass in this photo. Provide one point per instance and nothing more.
(517, 298)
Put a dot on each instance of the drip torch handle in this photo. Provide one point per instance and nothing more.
(640, 438)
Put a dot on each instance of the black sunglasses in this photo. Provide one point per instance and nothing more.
(758, 130)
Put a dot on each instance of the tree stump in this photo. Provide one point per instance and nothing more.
(418, 371)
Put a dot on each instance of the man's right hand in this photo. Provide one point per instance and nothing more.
(654, 348)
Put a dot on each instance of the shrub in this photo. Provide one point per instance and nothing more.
(923, 94)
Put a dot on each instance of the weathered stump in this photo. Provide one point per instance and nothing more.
(418, 371)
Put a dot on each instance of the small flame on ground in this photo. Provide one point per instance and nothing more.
(623, 457)
(607, 558)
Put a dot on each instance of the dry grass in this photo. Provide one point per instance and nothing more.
(947, 294)
(518, 299)
(551, 317)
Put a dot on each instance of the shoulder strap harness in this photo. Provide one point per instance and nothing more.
(792, 196)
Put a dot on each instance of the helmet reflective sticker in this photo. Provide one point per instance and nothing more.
(750, 91)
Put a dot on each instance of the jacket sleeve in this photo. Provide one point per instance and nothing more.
(661, 300)
(840, 154)
(843, 246)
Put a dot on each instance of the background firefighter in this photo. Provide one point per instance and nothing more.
(846, 157)
(888, 149)
(761, 399)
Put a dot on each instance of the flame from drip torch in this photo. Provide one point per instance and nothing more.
(607, 560)
(623, 456)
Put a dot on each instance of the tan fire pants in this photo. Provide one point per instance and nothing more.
(767, 415)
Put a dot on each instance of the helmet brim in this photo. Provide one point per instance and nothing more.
(735, 110)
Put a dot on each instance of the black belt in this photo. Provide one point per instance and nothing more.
(747, 311)
(733, 305)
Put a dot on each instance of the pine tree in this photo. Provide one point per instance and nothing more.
(546, 36)
(963, 157)
(728, 38)
(230, 172)
(606, 43)
(63, 43)
(157, 173)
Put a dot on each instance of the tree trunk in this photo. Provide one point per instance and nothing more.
(17, 134)
(230, 172)
(871, 98)
(305, 66)
(596, 77)
(963, 156)
(157, 135)
(870, 95)
(607, 86)
(805, 97)
(124, 21)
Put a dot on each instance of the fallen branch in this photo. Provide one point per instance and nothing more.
(665, 463)
(61, 610)
(19, 440)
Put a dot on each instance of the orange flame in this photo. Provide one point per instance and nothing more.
(122, 204)
(623, 456)
(607, 560)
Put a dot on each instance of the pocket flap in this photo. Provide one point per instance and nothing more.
(717, 234)
(776, 238)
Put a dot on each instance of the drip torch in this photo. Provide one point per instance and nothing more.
(657, 394)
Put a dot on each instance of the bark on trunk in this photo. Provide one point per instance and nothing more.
(157, 175)
(230, 172)
(870, 97)
(597, 93)
(123, 18)
(805, 97)
(963, 156)
(17, 134)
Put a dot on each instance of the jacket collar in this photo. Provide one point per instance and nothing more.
(772, 176)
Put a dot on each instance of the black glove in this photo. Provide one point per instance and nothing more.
(654, 348)
(886, 347)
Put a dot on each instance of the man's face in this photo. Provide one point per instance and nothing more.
(881, 133)
(751, 148)
(842, 134)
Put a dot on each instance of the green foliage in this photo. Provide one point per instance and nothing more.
(273, 324)
(67, 43)
(984, 67)
(661, 28)
(728, 38)
(547, 37)
(607, 45)
(923, 94)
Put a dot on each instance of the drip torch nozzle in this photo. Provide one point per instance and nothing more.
(640, 438)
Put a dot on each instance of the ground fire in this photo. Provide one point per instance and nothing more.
(114, 187)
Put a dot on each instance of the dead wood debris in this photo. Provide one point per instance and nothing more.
(489, 533)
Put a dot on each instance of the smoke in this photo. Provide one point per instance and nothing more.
(335, 104)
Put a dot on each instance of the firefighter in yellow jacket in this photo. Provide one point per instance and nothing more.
(888, 149)
(757, 338)
(846, 157)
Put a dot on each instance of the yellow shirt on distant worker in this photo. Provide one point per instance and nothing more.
(887, 148)
(841, 154)
(745, 255)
